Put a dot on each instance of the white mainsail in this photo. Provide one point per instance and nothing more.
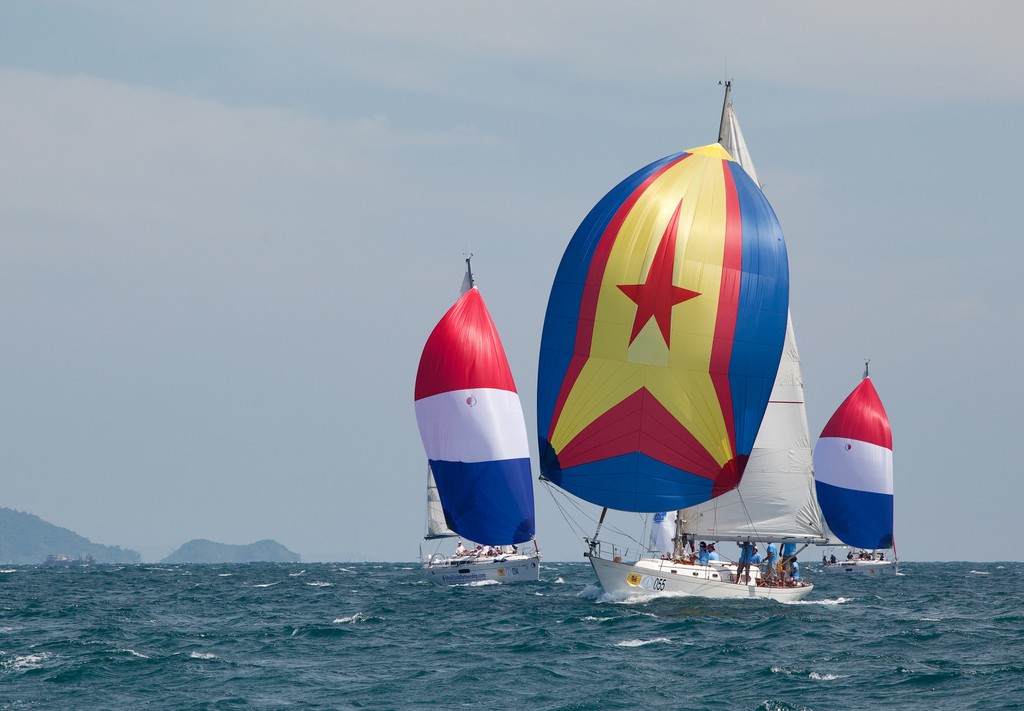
(731, 137)
(775, 500)
(437, 526)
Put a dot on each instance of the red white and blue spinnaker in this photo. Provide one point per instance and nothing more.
(471, 423)
(853, 471)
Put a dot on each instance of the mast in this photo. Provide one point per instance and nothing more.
(726, 105)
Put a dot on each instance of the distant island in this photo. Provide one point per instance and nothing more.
(26, 539)
(203, 551)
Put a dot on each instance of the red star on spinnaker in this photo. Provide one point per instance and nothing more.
(657, 295)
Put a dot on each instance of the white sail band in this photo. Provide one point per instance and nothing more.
(474, 425)
(853, 464)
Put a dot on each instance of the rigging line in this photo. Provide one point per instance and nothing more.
(552, 490)
(573, 526)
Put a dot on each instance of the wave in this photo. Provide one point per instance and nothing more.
(25, 662)
(980, 572)
(295, 575)
(266, 585)
(320, 584)
(356, 619)
(824, 677)
(127, 650)
(827, 601)
(642, 642)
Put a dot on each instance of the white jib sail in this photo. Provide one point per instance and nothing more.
(437, 527)
(775, 500)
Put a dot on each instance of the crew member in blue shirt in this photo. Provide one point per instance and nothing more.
(712, 553)
(788, 553)
(702, 554)
(746, 550)
(794, 571)
(771, 559)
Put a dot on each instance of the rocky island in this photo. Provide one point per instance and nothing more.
(204, 551)
(26, 539)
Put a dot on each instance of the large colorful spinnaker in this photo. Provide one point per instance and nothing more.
(853, 471)
(472, 427)
(662, 337)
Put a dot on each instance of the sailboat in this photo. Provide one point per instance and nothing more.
(661, 348)
(853, 466)
(479, 482)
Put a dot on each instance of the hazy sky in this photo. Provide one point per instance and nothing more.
(226, 230)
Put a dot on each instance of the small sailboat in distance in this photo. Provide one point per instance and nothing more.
(854, 480)
(479, 484)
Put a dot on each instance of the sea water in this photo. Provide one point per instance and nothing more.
(939, 635)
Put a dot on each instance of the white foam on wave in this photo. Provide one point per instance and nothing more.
(981, 572)
(824, 677)
(265, 585)
(126, 650)
(224, 575)
(345, 570)
(358, 617)
(477, 584)
(202, 655)
(642, 642)
(598, 594)
(559, 581)
(295, 575)
(9, 570)
(25, 661)
(827, 601)
(591, 618)
(319, 584)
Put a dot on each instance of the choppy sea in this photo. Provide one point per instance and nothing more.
(939, 635)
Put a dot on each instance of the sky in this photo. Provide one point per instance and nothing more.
(226, 230)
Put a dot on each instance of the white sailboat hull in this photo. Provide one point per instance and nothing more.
(715, 580)
(863, 567)
(465, 570)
